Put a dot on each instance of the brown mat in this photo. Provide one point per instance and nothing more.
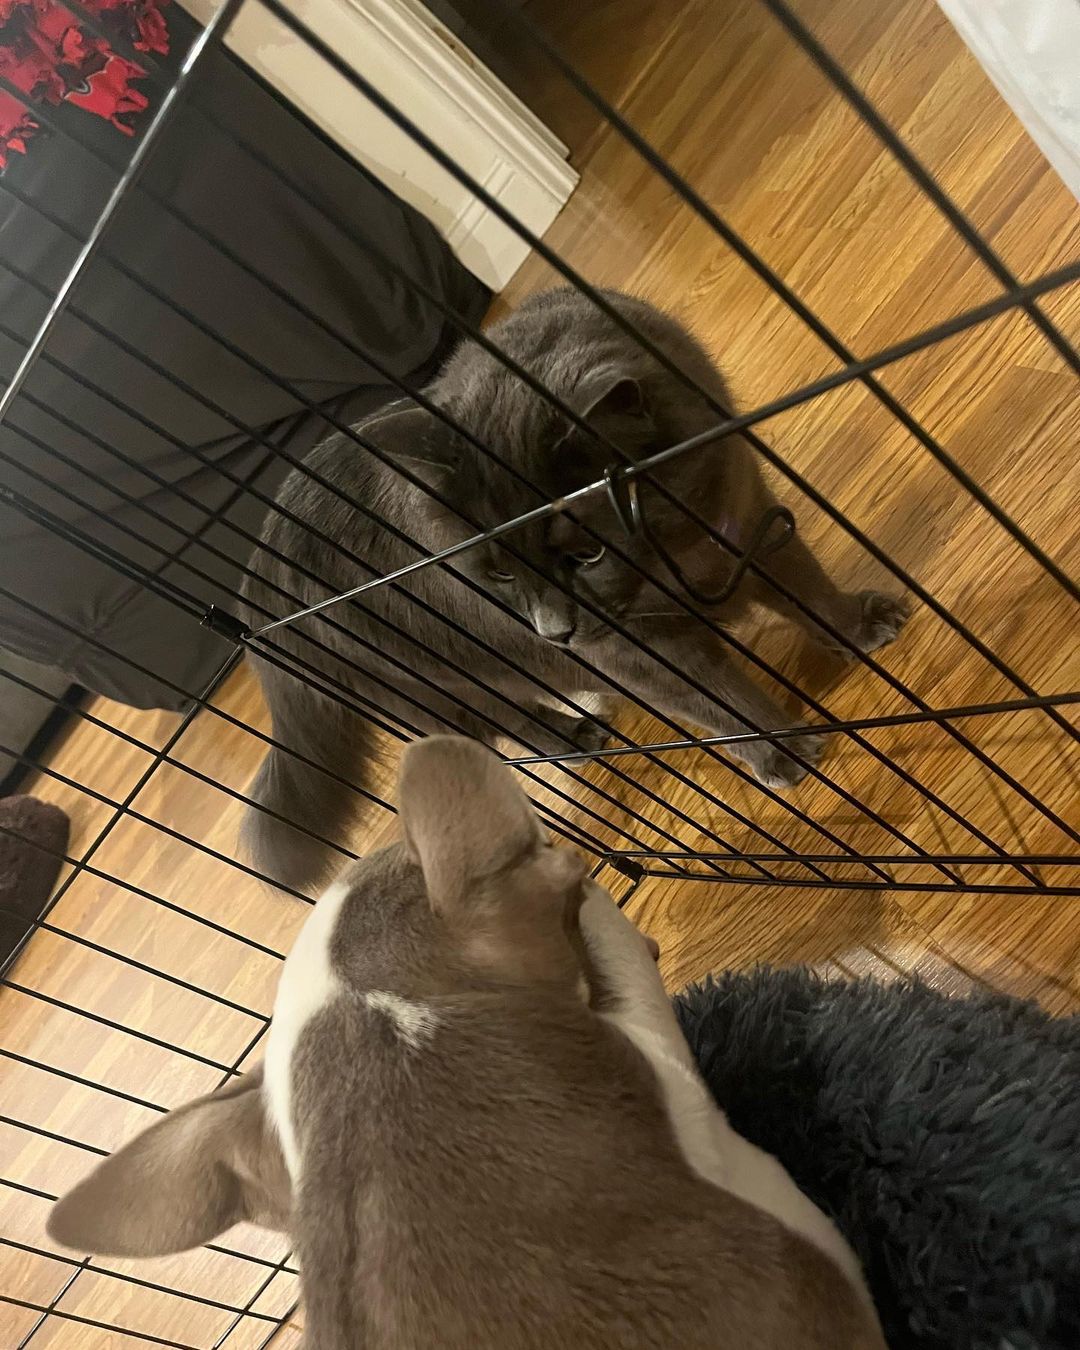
(32, 835)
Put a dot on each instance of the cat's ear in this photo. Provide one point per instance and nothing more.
(613, 394)
(616, 406)
(415, 440)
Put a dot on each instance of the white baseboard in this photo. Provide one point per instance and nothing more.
(450, 95)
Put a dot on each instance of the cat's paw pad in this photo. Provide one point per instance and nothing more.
(776, 769)
(883, 616)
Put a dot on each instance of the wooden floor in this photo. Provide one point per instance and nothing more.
(737, 109)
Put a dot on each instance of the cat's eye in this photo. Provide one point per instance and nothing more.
(588, 557)
(496, 575)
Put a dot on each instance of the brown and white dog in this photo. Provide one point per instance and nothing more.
(480, 1124)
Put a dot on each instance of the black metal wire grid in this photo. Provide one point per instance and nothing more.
(649, 832)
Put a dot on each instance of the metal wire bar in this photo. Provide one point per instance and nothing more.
(119, 1093)
(886, 859)
(837, 883)
(114, 1025)
(246, 1312)
(932, 716)
(54, 1136)
(289, 1313)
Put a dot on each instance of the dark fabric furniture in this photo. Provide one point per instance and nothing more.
(91, 397)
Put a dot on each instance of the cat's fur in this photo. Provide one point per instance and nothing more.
(598, 371)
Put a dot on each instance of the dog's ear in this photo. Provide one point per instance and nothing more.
(415, 440)
(190, 1176)
(466, 820)
(488, 867)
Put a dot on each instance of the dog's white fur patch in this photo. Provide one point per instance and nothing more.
(307, 985)
(415, 1023)
(710, 1146)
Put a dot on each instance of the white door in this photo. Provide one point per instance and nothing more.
(1031, 50)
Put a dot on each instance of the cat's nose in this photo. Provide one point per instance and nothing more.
(554, 624)
(560, 635)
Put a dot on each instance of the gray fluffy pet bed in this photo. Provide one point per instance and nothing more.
(943, 1135)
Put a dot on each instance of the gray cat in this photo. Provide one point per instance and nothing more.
(627, 396)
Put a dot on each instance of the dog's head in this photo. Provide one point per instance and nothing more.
(475, 900)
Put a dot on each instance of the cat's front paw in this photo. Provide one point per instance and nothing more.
(589, 735)
(777, 769)
(883, 616)
(875, 619)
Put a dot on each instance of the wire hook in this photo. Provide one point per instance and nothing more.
(631, 516)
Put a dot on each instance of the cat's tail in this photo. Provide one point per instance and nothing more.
(291, 788)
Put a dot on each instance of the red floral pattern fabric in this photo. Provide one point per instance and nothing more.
(48, 55)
